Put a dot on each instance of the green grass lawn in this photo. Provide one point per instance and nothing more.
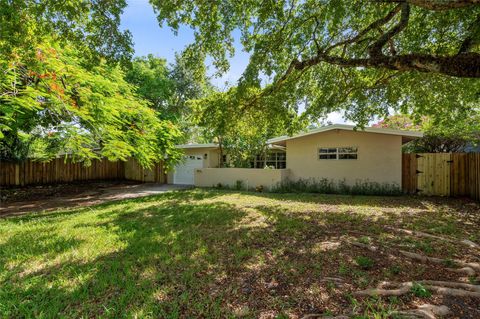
(202, 253)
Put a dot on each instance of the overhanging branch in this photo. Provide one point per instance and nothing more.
(435, 5)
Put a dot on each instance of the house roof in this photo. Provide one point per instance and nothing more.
(214, 145)
(194, 145)
(408, 135)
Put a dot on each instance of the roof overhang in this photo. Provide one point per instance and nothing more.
(194, 146)
(407, 136)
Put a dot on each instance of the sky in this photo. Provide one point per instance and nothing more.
(148, 38)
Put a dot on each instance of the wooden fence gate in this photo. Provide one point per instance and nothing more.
(443, 174)
(433, 174)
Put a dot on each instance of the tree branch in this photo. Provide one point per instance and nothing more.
(465, 65)
(473, 37)
(435, 5)
(376, 24)
(376, 48)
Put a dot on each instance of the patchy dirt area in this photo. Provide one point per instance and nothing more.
(16, 201)
(225, 254)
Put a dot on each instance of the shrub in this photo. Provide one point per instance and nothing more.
(326, 186)
(364, 262)
(239, 185)
(420, 291)
(259, 189)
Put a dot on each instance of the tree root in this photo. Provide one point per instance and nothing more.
(425, 311)
(361, 245)
(440, 287)
(316, 315)
(465, 270)
(403, 289)
(466, 242)
(452, 284)
(424, 259)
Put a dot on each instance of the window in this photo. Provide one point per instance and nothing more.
(274, 159)
(337, 153)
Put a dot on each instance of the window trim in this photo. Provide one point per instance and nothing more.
(337, 153)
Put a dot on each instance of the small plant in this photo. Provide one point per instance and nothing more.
(330, 286)
(364, 240)
(424, 246)
(473, 280)
(239, 185)
(219, 186)
(419, 290)
(364, 262)
(343, 269)
(395, 269)
(449, 263)
(326, 186)
(259, 189)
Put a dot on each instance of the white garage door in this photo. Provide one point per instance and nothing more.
(184, 172)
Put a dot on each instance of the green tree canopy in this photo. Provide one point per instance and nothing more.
(92, 26)
(168, 88)
(453, 134)
(364, 57)
(240, 131)
(150, 76)
(54, 104)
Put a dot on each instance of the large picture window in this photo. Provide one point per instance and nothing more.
(337, 153)
(274, 159)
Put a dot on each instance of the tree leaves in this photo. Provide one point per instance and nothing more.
(59, 105)
(367, 58)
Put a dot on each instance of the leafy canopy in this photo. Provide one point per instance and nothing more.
(364, 57)
(453, 134)
(55, 104)
(92, 26)
(168, 88)
(240, 131)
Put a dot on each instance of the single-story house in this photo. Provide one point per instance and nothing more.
(335, 152)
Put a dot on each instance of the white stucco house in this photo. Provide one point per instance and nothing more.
(334, 152)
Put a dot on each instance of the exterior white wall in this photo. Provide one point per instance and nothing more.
(251, 177)
(379, 157)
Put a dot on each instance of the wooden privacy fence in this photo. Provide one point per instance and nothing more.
(60, 170)
(444, 174)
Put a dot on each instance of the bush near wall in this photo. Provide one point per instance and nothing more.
(328, 186)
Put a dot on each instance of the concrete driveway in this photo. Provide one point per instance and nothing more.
(86, 194)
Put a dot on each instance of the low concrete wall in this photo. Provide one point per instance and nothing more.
(251, 177)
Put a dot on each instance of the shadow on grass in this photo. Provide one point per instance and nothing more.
(167, 256)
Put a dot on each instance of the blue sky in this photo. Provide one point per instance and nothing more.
(148, 37)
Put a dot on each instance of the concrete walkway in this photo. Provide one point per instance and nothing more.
(88, 196)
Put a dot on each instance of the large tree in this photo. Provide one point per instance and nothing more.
(54, 103)
(360, 56)
(452, 134)
(92, 25)
(168, 88)
(240, 133)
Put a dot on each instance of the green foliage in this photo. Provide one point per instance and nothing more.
(167, 88)
(364, 262)
(419, 290)
(321, 54)
(326, 186)
(239, 185)
(150, 76)
(55, 104)
(92, 26)
(452, 133)
(240, 129)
